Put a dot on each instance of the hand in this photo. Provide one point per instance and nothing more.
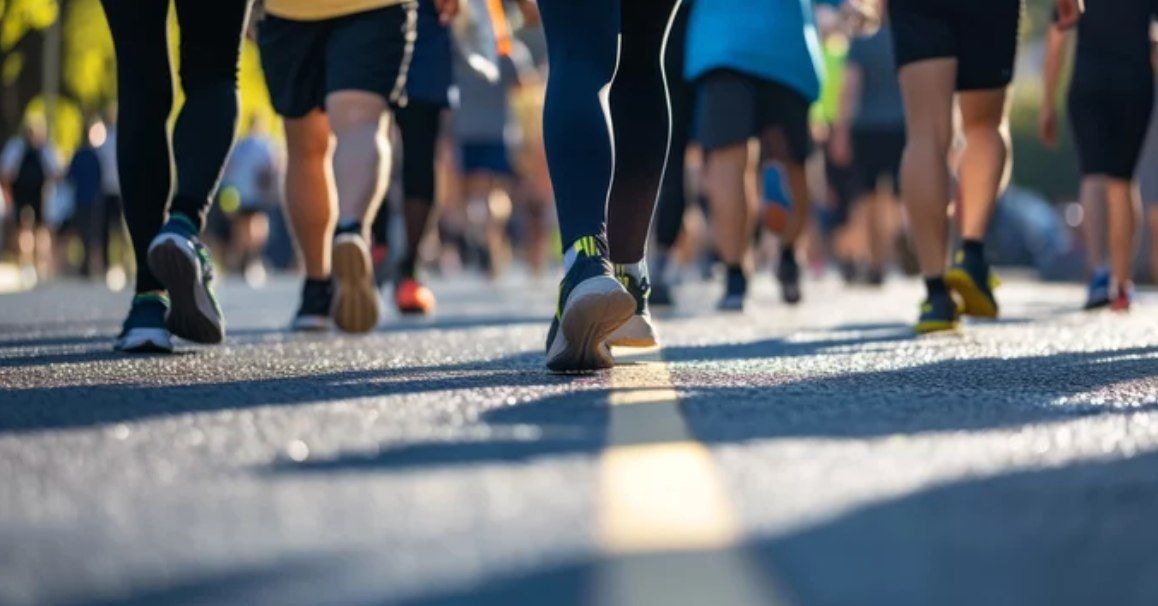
(530, 10)
(840, 146)
(447, 10)
(1068, 13)
(1047, 127)
(862, 17)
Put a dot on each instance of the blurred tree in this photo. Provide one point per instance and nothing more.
(21, 56)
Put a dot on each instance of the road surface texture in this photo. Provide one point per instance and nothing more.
(818, 455)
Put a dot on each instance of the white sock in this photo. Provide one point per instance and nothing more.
(637, 270)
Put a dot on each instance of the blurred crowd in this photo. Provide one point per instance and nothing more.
(62, 216)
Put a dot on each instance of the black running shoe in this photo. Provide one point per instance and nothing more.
(788, 275)
(639, 331)
(735, 291)
(972, 281)
(938, 314)
(592, 305)
(183, 264)
(314, 312)
(144, 330)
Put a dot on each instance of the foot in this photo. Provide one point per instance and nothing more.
(788, 275)
(184, 266)
(973, 282)
(314, 311)
(639, 331)
(735, 291)
(938, 314)
(355, 308)
(874, 277)
(413, 297)
(1098, 290)
(592, 305)
(144, 330)
(1123, 295)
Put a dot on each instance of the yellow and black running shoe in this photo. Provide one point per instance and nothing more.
(938, 314)
(972, 281)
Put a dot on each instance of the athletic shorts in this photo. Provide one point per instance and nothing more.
(490, 157)
(876, 154)
(30, 205)
(304, 61)
(980, 34)
(1109, 128)
(1148, 165)
(732, 107)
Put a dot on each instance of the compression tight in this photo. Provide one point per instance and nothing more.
(669, 215)
(210, 43)
(605, 179)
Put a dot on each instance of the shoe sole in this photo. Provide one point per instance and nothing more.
(976, 302)
(192, 315)
(934, 326)
(596, 308)
(355, 308)
(145, 340)
(638, 331)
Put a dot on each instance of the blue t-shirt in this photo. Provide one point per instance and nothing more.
(770, 39)
(85, 175)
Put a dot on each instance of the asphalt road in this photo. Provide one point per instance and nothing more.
(818, 455)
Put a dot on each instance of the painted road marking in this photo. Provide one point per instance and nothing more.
(666, 527)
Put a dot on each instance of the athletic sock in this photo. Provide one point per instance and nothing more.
(936, 287)
(737, 280)
(788, 254)
(348, 226)
(589, 246)
(183, 224)
(637, 270)
(974, 251)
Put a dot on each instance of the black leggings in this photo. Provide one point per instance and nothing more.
(669, 216)
(210, 44)
(582, 39)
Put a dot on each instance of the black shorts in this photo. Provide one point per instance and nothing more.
(304, 61)
(980, 34)
(30, 205)
(732, 107)
(877, 153)
(1110, 128)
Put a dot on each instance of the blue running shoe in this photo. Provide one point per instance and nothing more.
(183, 264)
(144, 330)
(592, 305)
(1098, 291)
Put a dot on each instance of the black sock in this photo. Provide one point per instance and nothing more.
(974, 250)
(936, 287)
(788, 254)
(348, 226)
(737, 280)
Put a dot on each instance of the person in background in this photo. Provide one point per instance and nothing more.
(28, 168)
(869, 136)
(249, 191)
(110, 221)
(84, 174)
(1148, 171)
(1111, 98)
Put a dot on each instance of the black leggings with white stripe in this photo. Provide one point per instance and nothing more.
(210, 42)
(589, 44)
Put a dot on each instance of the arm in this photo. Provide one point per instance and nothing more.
(1056, 43)
(1068, 13)
(447, 10)
(848, 107)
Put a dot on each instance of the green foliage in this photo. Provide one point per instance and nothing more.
(20, 16)
(89, 63)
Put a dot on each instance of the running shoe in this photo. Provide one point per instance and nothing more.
(639, 331)
(735, 291)
(938, 314)
(313, 313)
(788, 275)
(184, 266)
(144, 330)
(972, 281)
(592, 305)
(1098, 291)
(413, 297)
(1122, 298)
(355, 307)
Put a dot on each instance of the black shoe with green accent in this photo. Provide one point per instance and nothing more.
(973, 282)
(639, 331)
(144, 330)
(183, 264)
(938, 314)
(592, 305)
